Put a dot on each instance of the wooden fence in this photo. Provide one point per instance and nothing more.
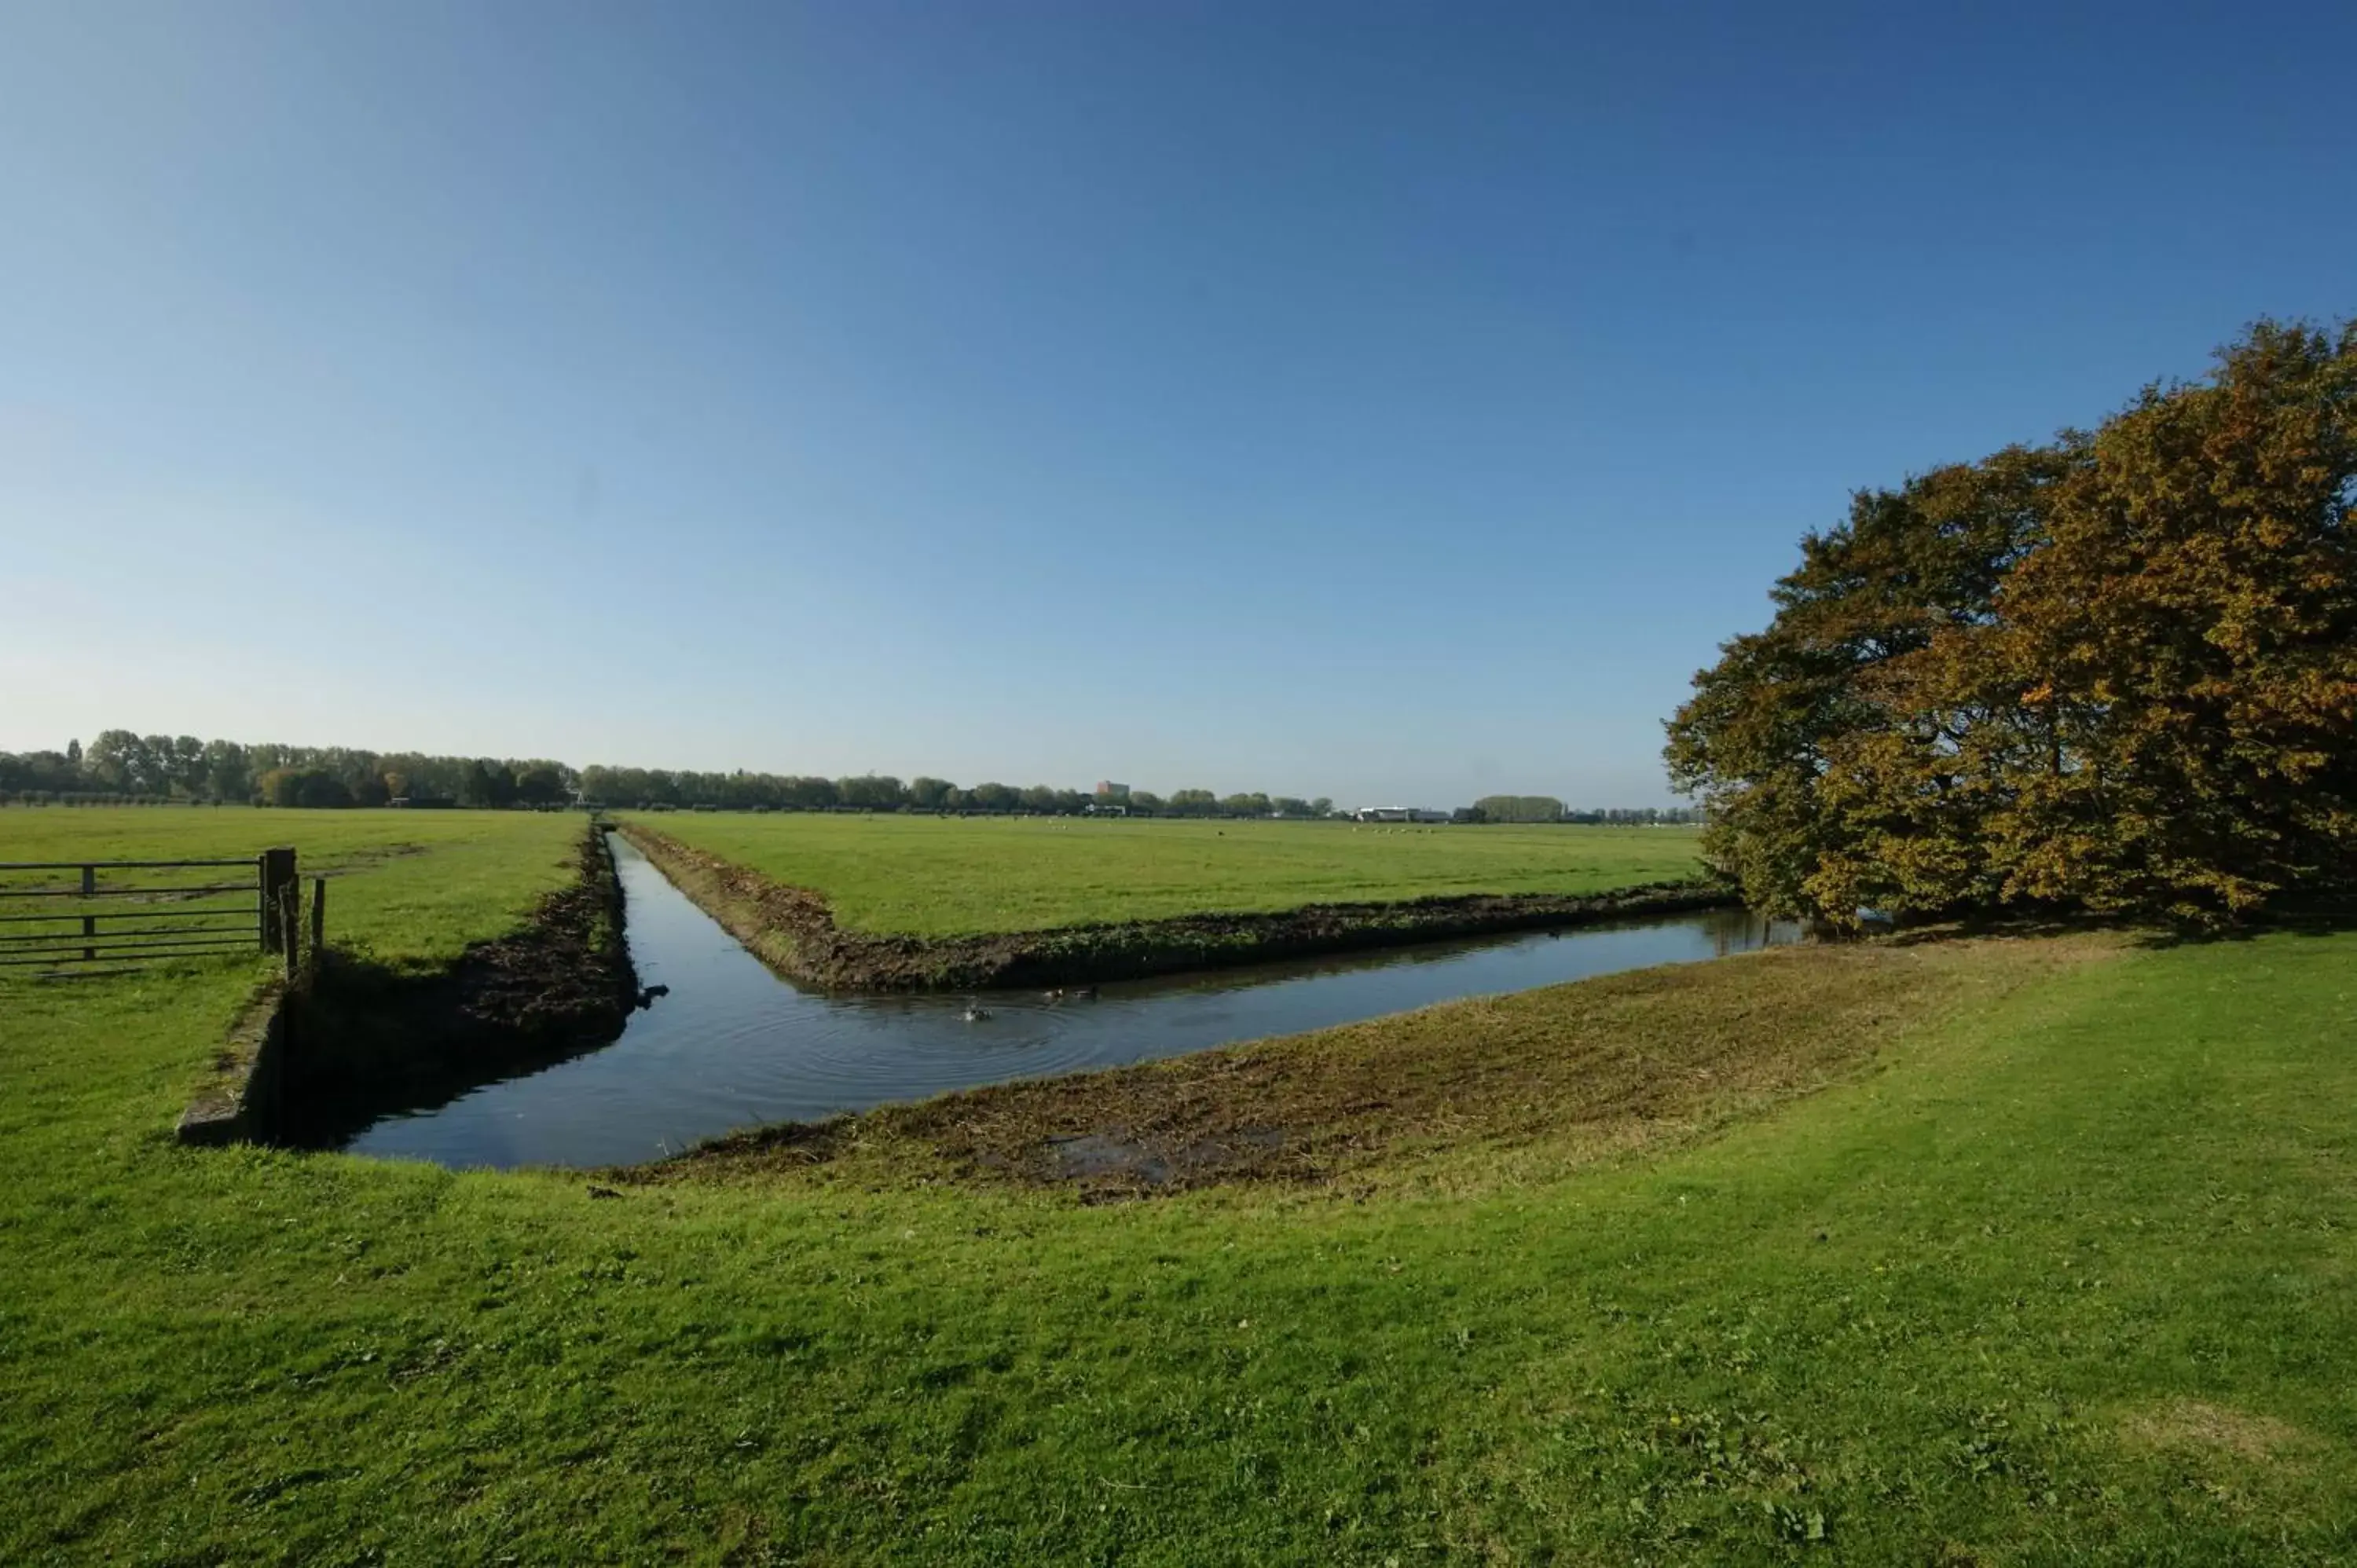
(60, 914)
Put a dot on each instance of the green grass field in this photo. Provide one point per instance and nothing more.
(2062, 1274)
(940, 876)
(410, 887)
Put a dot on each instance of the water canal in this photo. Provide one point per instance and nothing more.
(733, 1045)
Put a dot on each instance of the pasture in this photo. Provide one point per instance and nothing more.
(2052, 1266)
(1987, 1251)
(946, 877)
(408, 888)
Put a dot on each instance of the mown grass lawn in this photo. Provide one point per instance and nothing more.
(2063, 1274)
(413, 888)
(940, 876)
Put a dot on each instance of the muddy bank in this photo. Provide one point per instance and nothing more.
(1594, 1069)
(367, 1039)
(794, 932)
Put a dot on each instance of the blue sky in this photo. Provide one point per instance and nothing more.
(1360, 400)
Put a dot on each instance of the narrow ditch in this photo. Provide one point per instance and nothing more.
(364, 1041)
(794, 931)
(731, 1046)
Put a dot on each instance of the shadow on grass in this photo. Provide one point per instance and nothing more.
(2311, 918)
(370, 1042)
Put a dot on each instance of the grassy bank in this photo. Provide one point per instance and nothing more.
(372, 1036)
(951, 876)
(2056, 1268)
(411, 889)
(462, 943)
(1537, 1081)
(798, 932)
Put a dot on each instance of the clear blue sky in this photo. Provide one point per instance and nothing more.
(1363, 399)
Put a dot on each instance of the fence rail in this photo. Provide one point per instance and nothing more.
(102, 911)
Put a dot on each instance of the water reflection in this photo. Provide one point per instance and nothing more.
(732, 1046)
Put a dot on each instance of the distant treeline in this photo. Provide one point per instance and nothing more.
(1548, 809)
(882, 792)
(1642, 816)
(1518, 809)
(121, 765)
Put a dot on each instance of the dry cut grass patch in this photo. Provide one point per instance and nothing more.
(2196, 1425)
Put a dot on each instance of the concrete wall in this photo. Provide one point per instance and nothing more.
(240, 1103)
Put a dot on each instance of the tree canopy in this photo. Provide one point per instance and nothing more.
(1519, 809)
(2116, 672)
(121, 765)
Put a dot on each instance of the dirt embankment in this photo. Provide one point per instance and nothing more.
(794, 932)
(1536, 1081)
(369, 1038)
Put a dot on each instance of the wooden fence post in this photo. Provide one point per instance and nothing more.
(318, 917)
(278, 928)
(89, 921)
(291, 922)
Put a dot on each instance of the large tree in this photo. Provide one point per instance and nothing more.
(1518, 809)
(2116, 671)
(1777, 724)
(991, 796)
(2188, 636)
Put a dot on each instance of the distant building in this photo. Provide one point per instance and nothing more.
(1109, 790)
(1399, 814)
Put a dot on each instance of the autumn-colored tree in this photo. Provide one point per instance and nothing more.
(2118, 673)
(2189, 632)
(1785, 731)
